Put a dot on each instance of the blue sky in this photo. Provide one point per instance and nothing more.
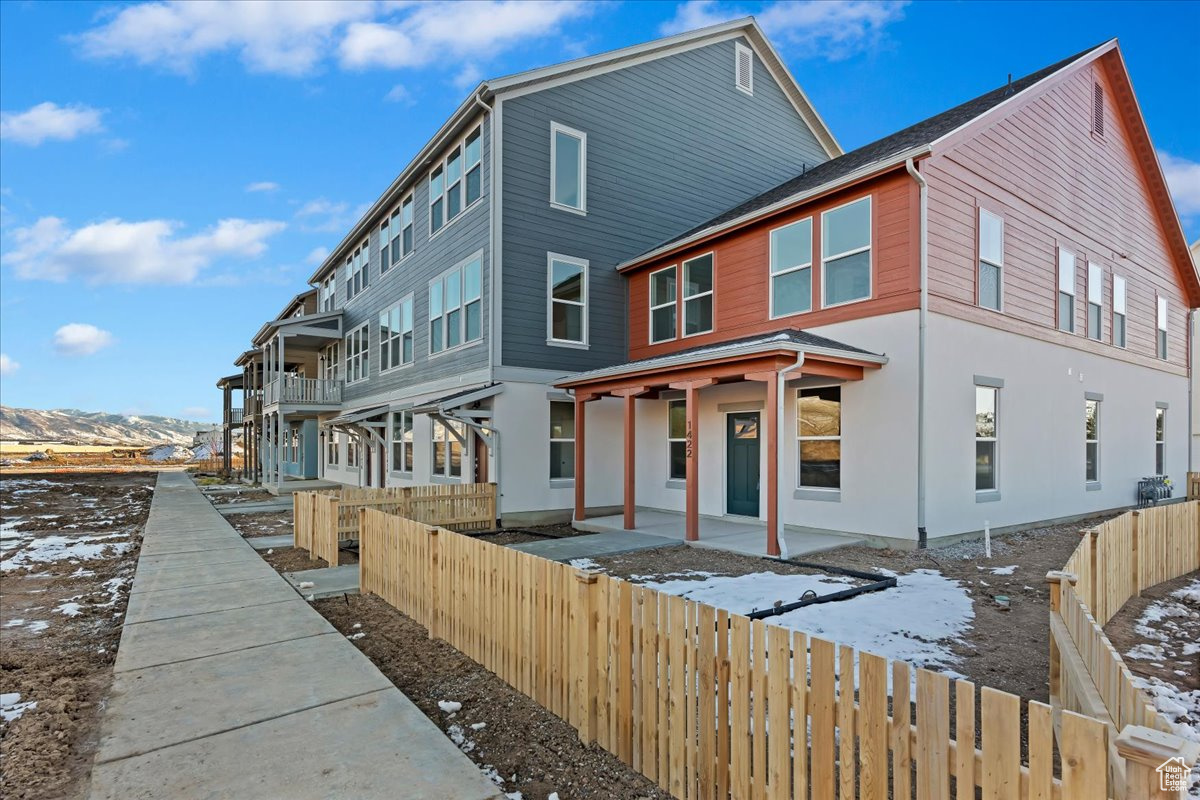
(169, 173)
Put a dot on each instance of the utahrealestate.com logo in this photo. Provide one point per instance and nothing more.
(1172, 775)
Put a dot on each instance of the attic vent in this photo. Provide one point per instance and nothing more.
(1097, 109)
(744, 69)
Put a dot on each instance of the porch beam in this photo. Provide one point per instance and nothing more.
(630, 422)
(830, 369)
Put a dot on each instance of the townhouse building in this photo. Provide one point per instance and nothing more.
(428, 345)
(979, 321)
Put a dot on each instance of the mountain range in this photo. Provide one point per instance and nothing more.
(94, 427)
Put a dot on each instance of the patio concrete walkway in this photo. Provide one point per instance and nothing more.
(228, 684)
(257, 506)
(598, 544)
(720, 533)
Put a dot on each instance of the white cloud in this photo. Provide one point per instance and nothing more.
(263, 186)
(830, 29)
(196, 412)
(317, 255)
(49, 121)
(116, 251)
(81, 339)
(1183, 178)
(400, 94)
(470, 75)
(7, 365)
(326, 216)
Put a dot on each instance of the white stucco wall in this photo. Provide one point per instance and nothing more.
(1041, 427)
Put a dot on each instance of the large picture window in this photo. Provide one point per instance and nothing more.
(448, 437)
(456, 306)
(698, 295)
(677, 439)
(1119, 292)
(846, 253)
(1066, 291)
(991, 259)
(396, 335)
(568, 168)
(402, 441)
(987, 405)
(357, 356)
(1092, 440)
(791, 269)
(562, 440)
(1160, 441)
(819, 438)
(663, 300)
(568, 319)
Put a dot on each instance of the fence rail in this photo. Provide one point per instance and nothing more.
(709, 703)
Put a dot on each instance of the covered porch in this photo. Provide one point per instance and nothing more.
(752, 506)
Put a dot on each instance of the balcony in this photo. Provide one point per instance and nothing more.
(254, 405)
(233, 416)
(293, 390)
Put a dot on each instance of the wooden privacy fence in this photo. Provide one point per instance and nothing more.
(1193, 486)
(1114, 562)
(708, 703)
(332, 517)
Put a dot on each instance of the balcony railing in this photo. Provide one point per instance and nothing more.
(294, 390)
(234, 416)
(254, 405)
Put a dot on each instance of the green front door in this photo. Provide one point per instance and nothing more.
(741, 464)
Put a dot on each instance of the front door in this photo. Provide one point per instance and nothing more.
(741, 464)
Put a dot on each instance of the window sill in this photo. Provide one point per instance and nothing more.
(676, 483)
(444, 480)
(390, 370)
(1093, 486)
(579, 212)
(571, 345)
(456, 348)
(562, 483)
(824, 495)
(989, 496)
(434, 234)
(404, 475)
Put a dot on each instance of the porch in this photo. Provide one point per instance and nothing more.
(745, 536)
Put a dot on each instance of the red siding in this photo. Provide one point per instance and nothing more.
(741, 289)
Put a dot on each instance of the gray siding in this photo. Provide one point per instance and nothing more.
(670, 144)
(468, 233)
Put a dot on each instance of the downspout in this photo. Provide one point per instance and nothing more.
(1191, 388)
(923, 316)
(493, 242)
(780, 451)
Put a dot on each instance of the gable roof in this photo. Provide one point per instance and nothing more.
(579, 69)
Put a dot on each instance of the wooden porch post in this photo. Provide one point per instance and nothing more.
(771, 379)
(581, 401)
(630, 421)
(692, 402)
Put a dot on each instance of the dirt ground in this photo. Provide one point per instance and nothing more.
(68, 549)
(268, 523)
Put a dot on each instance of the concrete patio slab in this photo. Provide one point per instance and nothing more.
(327, 582)
(200, 559)
(598, 544)
(152, 579)
(198, 544)
(307, 756)
(271, 542)
(167, 603)
(257, 506)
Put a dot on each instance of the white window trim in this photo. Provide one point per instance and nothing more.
(1087, 441)
(1059, 290)
(447, 425)
(410, 445)
(738, 50)
(674, 302)
(1123, 312)
(771, 276)
(1095, 275)
(680, 287)
(869, 249)
(461, 145)
(671, 440)
(363, 354)
(999, 267)
(550, 301)
(399, 340)
(551, 440)
(410, 198)
(555, 129)
(364, 270)
(462, 307)
(1160, 411)
(994, 439)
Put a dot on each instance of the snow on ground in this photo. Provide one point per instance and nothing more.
(1009, 570)
(584, 563)
(66, 548)
(169, 452)
(918, 621)
(11, 707)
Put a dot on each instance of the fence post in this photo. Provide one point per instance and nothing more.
(1136, 555)
(1054, 580)
(1157, 765)
(586, 653)
(1093, 537)
(434, 597)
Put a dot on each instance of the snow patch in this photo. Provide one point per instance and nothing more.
(11, 707)
(1009, 570)
(449, 706)
(584, 563)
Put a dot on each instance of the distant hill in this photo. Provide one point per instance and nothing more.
(94, 427)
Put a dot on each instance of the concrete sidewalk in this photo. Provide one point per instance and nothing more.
(228, 684)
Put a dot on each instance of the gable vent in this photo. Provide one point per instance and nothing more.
(1097, 109)
(744, 69)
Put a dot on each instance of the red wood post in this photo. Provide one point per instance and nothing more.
(692, 389)
(630, 423)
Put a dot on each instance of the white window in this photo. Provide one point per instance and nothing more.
(402, 441)
(328, 366)
(1160, 441)
(357, 359)
(987, 426)
(568, 168)
(698, 295)
(456, 306)
(456, 182)
(991, 259)
(357, 271)
(1162, 328)
(677, 439)
(663, 299)
(562, 440)
(846, 253)
(385, 242)
(743, 68)
(791, 269)
(395, 235)
(1119, 311)
(328, 294)
(567, 318)
(351, 452)
(396, 335)
(1066, 291)
(1092, 440)
(331, 449)
(448, 438)
(819, 438)
(406, 228)
(1095, 309)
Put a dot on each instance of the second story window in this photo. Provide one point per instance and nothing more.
(406, 227)
(846, 253)
(791, 269)
(991, 259)
(385, 249)
(396, 335)
(568, 168)
(329, 362)
(456, 306)
(698, 295)
(328, 293)
(357, 271)
(357, 358)
(457, 182)
(1162, 328)
(1095, 307)
(662, 305)
(1066, 291)
(1118, 311)
(567, 300)
(437, 200)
